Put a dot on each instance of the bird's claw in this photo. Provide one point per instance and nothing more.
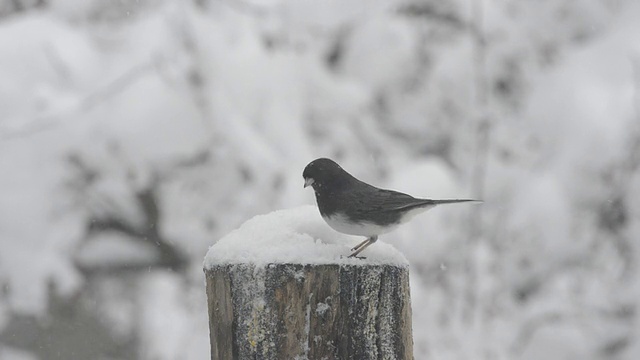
(353, 257)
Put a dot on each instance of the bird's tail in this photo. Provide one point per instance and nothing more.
(428, 203)
(453, 201)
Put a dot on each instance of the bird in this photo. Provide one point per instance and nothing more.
(353, 207)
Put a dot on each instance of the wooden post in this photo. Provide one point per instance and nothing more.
(297, 311)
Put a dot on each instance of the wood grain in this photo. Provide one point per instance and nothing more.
(294, 311)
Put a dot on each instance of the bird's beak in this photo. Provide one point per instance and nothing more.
(308, 182)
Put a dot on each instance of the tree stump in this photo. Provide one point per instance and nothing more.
(278, 311)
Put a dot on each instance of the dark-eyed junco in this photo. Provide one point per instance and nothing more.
(353, 207)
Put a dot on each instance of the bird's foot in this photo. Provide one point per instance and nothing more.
(353, 257)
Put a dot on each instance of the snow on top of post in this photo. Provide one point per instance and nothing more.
(297, 236)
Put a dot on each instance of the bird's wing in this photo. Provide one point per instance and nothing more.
(385, 206)
(394, 200)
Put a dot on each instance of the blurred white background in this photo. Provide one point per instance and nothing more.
(134, 134)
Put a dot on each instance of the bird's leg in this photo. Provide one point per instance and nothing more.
(360, 245)
(364, 245)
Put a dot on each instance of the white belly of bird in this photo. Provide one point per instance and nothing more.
(339, 223)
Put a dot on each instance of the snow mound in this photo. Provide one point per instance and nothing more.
(297, 236)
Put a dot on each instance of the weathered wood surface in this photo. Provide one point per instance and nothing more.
(293, 311)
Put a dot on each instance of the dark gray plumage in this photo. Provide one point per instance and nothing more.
(354, 207)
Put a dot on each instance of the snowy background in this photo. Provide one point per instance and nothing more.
(134, 134)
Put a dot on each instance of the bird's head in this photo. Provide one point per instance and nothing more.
(322, 172)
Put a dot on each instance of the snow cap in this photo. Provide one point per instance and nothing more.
(295, 236)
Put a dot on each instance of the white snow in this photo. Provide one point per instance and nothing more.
(115, 249)
(396, 106)
(299, 236)
(321, 308)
